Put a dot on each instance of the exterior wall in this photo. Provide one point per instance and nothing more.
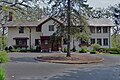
(95, 36)
(14, 32)
(45, 28)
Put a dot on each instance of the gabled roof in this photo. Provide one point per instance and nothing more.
(100, 22)
(31, 24)
(91, 22)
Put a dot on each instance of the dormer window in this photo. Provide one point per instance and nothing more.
(105, 30)
(98, 29)
(51, 27)
(21, 29)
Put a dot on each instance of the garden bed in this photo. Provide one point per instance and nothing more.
(74, 59)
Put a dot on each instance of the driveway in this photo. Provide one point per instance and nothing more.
(24, 67)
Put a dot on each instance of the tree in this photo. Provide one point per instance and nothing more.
(73, 13)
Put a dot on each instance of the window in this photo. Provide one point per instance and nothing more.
(21, 41)
(105, 30)
(46, 42)
(21, 29)
(92, 29)
(65, 41)
(51, 27)
(105, 41)
(37, 42)
(81, 29)
(38, 29)
(98, 29)
(99, 41)
(83, 41)
(92, 41)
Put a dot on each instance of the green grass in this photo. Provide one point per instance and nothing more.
(2, 74)
(4, 57)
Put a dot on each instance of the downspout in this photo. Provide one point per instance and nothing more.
(109, 38)
(30, 37)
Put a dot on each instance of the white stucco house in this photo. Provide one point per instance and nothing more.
(37, 33)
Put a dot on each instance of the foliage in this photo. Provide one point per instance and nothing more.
(116, 41)
(10, 48)
(2, 74)
(95, 46)
(65, 49)
(4, 57)
(74, 49)
(92, 52)
(83, 50)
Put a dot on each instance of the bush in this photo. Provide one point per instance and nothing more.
(83, 50)
(23, 50)
(92, 52)
(10, 48)
(2, 74)
(95, 47)
(6, 48)
(38, 49)
(74, 49)
(4, 57)
(65, 50)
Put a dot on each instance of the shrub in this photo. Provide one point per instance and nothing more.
(23, 50)
(10, 48)
(38, 49)
(4, 57)
(6, 48)
(65, 50)
(93, 52)
(74, 49)
(83, 50)
(2, 74)
(95, 46)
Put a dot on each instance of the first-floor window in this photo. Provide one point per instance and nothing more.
(92, 41)
(105, 41)
(65, 41)
(37, 42)
(21, 41)
(46, 42)
(99, 41)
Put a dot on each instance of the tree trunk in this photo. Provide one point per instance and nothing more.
(69, 26)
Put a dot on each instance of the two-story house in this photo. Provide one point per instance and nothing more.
(37, 33)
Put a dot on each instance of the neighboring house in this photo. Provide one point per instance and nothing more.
(33, 34)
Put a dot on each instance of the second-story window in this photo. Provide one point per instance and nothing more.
(98, 29)
(38, 29)
(51, 27)
(92, 29)
(105, 30)
(21, 29)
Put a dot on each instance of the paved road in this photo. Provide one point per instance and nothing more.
(24, 67)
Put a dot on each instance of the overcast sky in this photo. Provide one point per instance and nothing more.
(102, 3)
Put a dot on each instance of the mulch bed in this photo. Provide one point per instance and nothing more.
(74, 59)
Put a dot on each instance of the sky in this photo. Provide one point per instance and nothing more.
(102, 3)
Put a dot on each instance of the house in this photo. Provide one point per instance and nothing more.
(37, 33)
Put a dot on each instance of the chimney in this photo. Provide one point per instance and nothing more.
(10, 16)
